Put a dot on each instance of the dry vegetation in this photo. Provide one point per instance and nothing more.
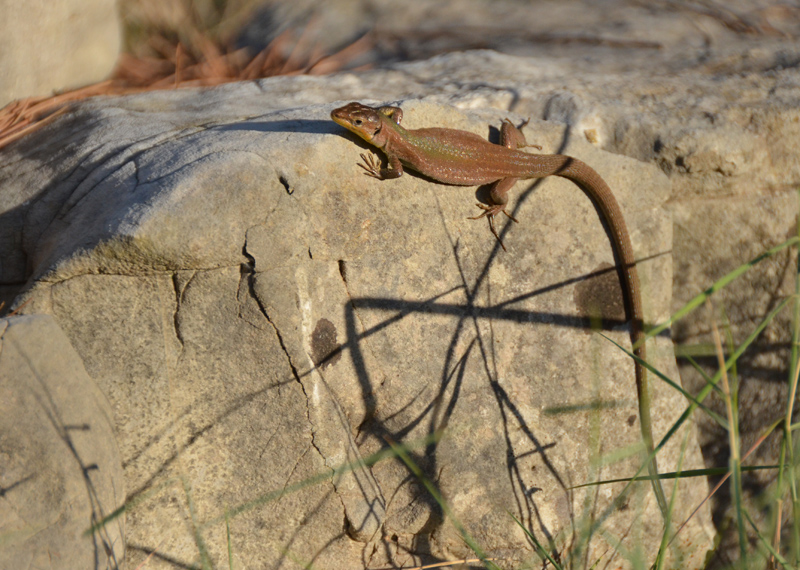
(185, 43)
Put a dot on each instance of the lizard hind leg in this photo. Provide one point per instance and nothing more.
(512, 137)
(490, 212)
(498, 200)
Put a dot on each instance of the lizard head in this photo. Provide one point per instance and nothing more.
(364, 121)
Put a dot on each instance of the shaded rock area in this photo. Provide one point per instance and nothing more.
(259, 313)
(61, 471)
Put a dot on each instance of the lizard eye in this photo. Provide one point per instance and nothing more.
(357, 122)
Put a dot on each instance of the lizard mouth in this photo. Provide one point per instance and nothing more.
(339, 119)
(346, 122)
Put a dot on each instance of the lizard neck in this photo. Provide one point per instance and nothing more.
(390, 135)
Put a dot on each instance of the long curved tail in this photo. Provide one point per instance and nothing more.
(597, 189)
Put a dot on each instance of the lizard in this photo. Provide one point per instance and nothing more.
(462, 158)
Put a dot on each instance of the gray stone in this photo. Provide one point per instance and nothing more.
(48, 46)
(259, 313)
(61, 471)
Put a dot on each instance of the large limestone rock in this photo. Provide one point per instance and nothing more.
(707, 92)
(61, 471)
(259, 313)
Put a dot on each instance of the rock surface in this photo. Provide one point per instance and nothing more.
(61, 471)
(258, 313)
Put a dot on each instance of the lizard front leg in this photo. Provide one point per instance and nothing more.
(373, 167)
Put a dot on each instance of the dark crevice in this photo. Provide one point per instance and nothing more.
(178, 299)
(263, 309)
(285, 182)
(295, 373)
(250, 266)
(251, 287)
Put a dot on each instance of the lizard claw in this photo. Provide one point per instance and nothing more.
(489, 212)
(492, 211)
(371, 166)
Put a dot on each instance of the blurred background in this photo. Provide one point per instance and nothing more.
(55, 51)
(49, 46)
